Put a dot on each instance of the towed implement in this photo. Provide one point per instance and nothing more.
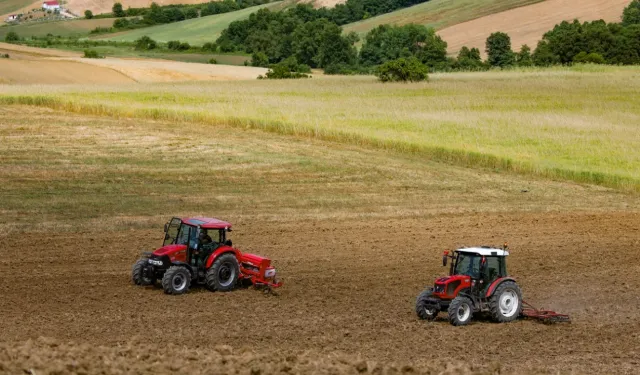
(196, 251)
(478, 283)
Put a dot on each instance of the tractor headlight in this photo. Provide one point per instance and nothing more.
(155, 262)
(271, 272)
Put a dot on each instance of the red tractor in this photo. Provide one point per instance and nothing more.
(196, 250)
(477, 282)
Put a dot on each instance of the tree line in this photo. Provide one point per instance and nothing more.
(314, 38)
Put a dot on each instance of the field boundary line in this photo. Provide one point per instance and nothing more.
(461, 158)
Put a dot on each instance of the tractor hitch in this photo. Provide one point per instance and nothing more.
(545, 316)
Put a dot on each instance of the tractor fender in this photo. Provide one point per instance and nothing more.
(492, 287)
(219, 251)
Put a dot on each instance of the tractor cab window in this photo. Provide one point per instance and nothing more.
(494, 268)
(186, 235)
(468, 264)
(172, 232)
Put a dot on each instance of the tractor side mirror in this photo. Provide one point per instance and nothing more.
(444, 258)
(166, 227)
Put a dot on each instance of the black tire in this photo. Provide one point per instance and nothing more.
(223, 274)
(176, 280)
(425, 308)
(505, 304)
(460, 311)
(136, 273)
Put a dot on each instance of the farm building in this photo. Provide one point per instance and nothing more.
(11, 18)
(51, 5)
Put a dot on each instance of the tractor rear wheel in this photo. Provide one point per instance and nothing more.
(506, 302)
(223, 274)
(176, 280)
(425, 308)
(137, 273)
(460, 311)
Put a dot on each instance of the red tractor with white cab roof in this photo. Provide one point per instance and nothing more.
(478, 282)
(196, 250)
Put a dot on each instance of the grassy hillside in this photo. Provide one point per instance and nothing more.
(580, 124)
(196, 31)
(79, 27)
(10, 6)
(438, 13)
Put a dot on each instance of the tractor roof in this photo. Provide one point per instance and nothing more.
(485, 251)
(206, 222)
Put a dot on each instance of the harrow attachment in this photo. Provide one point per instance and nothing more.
(545, 316)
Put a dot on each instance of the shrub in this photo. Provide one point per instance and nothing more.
(11, 36)
(402, 70)
(145, 43)
(589, 58)
(212, 61)
(91, 54)
(88, 14)
(5, 56)
(282, 71)
(173, 44)
(259, 59)
(210, 47)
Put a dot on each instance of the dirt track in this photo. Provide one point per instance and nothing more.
(350, 288)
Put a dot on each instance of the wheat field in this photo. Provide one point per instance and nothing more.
(579, 124)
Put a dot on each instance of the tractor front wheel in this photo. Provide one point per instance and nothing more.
(425, 308)
(137, 273)
(460, 311)
(176, 280)
(223, 274)
(506, 302)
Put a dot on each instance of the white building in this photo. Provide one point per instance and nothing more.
(51, 5)
(11, 18)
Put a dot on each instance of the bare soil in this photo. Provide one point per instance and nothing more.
(527, 25)
(350, 287)
(52, 66)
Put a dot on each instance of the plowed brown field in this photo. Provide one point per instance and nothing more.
(527, 25)
(352, 266)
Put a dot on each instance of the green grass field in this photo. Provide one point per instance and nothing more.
(580, 124)
(10, 6)
(79, 27)
(196, 31)
(438, 13)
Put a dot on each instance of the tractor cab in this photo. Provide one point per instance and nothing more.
(202, 236)
(482, 264)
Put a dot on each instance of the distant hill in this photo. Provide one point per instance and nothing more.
(74, 27)
(438, 13)
(526, 25)
(104, 6)
(470, 22)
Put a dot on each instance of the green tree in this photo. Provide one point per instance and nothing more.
(117, 10)
(523, 58)
(88, 14)
(385, 43)
(543, 56)
(499, 51)
(469, 59)
(402, 70)
(11, 37)
(631, 14)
